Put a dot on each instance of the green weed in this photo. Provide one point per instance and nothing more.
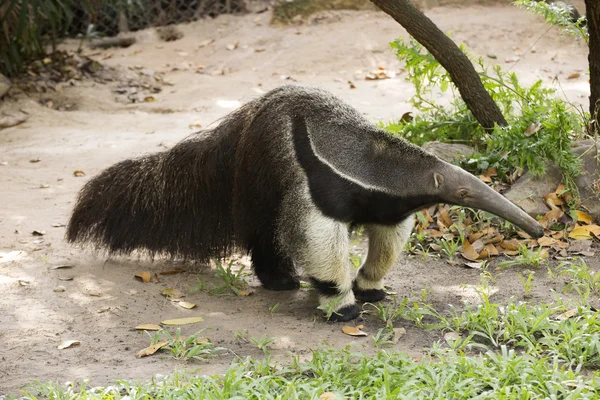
(192, 347)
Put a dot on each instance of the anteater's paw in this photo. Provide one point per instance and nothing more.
(281, 283)
(345, 313)
(368, 295)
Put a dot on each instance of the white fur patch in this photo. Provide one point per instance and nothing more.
(385, 245)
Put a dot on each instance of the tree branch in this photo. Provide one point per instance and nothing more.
(449, 55)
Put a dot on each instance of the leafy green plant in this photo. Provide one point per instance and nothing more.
(192, 347)
(581, 279)
(559, 14)
(527, 283)
(231, 280)
(263, 343)
(540, 127)
(527, 257)
(449, 247)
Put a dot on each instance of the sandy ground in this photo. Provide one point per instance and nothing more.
(99, 131)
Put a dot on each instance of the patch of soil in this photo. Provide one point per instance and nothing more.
(217, 65)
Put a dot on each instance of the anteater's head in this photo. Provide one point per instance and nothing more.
(453, 185)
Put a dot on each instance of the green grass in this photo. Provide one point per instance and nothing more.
(444, 374)
(187, 348)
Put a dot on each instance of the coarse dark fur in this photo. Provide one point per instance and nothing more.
(283, 178)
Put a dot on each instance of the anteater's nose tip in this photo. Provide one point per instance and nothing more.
(537, 232)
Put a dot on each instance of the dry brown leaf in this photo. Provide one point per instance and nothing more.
(205, 43)
(173, 293)
(567, 314)
(149, 99)
(512, 244)
(469, 252)
(445, 216)
(485, 179)
(491, 172)
(523, 235)
(148, 351)
(498, 238)
(552, 199)
(478, 245)
(474, 265)
(187, 305)
(148, 327)
(407, 116)
(353, 331)
(574, 75)
(172, 271)
(558, 235)
(68, 343)
(38, 233)
(78, 173)
(23, 282)
(435, 233)
(476, 235)
(64, 266)
(182, 321)
(583, 217)
(585, 232)
(144, 276)
(532, 129)
(488, 251)
(546, 241)
(451, 336)
(551, 217)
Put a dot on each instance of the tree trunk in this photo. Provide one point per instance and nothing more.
(593, 22)
(449, 55)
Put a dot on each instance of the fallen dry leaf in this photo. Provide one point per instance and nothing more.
(353, 331)
(583, 217)
(182, 321)
(232, 46)
(68, 343)
(574, 75)
(585, 232)
(59, 289)
(244, 292)
(23, 282)
(78, 173)
(173, 293)
(512, 244)
(144, 276)
(148, 327)
(187, 305)
(58, 225)
(451, 336)
(469, 252)
(546, 241)
(567, 314)
(172, 271)
(38, 233)
(474, 265)
(148, 351)
(205, 43)
(62, 266)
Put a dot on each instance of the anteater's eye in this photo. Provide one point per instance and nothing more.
(462, 193)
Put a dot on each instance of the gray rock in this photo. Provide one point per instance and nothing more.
(4, 85)
(449, 152)
(528, 192)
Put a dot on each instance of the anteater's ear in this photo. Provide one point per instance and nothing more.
(438, 179)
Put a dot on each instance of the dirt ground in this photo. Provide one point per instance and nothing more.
(99, 131)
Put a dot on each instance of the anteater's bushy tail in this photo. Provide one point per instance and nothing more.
(176, 202)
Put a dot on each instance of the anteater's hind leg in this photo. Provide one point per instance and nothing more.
(274, 270)
(385, 245)
(324, 256)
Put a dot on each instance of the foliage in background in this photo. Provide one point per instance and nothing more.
(541, 127)
(559, 14)
(30, 28)
(27, 27)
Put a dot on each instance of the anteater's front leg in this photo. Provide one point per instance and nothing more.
(385, 245)
(324, 256)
